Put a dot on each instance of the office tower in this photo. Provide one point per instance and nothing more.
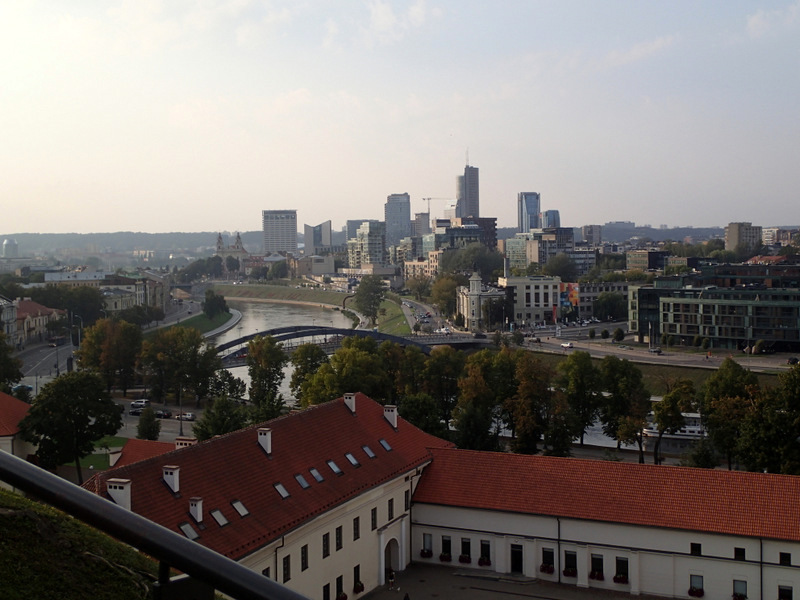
(353, 225)
(529, 206)
(280, 230)
(743, 235)
(421, 224)
(550, 218)
(368, 247)
(397, 216)
(467, 193)
(592, 234)
(317, 238)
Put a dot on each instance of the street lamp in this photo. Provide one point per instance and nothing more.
(80, 329)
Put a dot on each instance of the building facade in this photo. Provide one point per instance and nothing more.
(535, 299)
(280, 231)
(368, 247)
(529, 205)
(550, 218)
(745, 235)
(397, 216)
(317, 238)
(468, 193)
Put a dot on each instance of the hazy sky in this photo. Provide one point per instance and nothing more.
(196, 115)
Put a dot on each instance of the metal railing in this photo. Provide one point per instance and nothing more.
(170, 548)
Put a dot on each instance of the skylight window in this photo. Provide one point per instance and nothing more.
(302, 481)
(240, 508)
(219, 517)
(188, 531)
(386, 445)
(316, 474)
(334, 467)
(282, 490)
(368, 451)
(353, 460)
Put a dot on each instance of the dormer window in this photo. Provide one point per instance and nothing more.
(302, 481)
(334, 467)
(282, 490)
(386, 445)
(353, 460)
(240, 508)
(219, 517)
(188, 531)
(316, 475)
(368, 451)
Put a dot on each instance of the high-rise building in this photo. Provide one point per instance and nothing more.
(280, 230)
(397, 215)
(467, 193)
(421, 224)
(368, 247)
(317, 238)
(550, 218)
(744, 235)
(592, 234)
(529, 206)
(353, 225)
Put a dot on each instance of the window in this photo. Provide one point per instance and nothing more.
(219, 517)
(385, 445)
(339, 585)
(786, 559)
(446, 549)
(356, 574)
(696, 549)
(368, 451)
(326, 591)
(374, 518)
(784, 592)
(570, 561)
(338, 536)
(239, 508)
(282, 490)
(316, 475)
(304, 557)
(465, 547)
(302, 481)
(353, 460)
(622, 567)
(265, 572)
(548, 557)
(406, 500)
(485, 549)
(739, 588)
(695, 582)
(738, 554)
(391, 508)
(356, 528)
(188, 531)
(334, 467)
(326, 545)
(427, 542)
(597, 567)
(287, 568)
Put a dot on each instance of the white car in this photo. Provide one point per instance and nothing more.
(566, 345)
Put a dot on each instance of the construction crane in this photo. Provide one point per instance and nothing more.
(428, 200)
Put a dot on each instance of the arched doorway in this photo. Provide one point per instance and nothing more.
(391, 556)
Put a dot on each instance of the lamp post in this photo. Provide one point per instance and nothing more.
(80, 329)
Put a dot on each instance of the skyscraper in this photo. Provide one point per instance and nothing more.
(317, 238)
(280, 230)
(550, 218)
(397, 215)
(467, 193)
(529, 205)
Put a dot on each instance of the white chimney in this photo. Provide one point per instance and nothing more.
(350, 402)
(390, 414)
(196, 509)
(120, 492)
(265, 439)
(184, 441)
(172, 477)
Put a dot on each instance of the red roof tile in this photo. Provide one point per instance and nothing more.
(728, 502)
(12, 411)
(234, 467)
(136, 450)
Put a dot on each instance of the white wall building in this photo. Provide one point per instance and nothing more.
(280, 230)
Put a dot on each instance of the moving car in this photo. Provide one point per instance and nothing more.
(655, 350)
(135, 412)
(567, 345)
(163, 413)
(186, 417)
(140, 403)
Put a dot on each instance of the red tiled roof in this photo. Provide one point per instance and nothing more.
(136, 450)
(29, 307)
(234, 467)
(727, 502)
(12, 411)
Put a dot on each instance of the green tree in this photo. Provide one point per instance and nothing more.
(529, 406)
(68, 416)
(10, 366)
(420, 286)
(440, 378)
(111, 348)
(421, 411)
(626, 402)
(224, 383)
(561, 266)
(473, 415)
(223, 416)
(306, 359)
(279, 270)
(604, 334)
(149, 427)
(473, 257)
(619, 335)
(610, 304)
(214, 304)
(369, 295)
(443, 294)
(581, 383)
(232, 264)
(265, 362)
(668, 413)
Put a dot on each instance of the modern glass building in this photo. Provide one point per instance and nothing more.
(529, 205)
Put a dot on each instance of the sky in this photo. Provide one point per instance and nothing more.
(196, 115)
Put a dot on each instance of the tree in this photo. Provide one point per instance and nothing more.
(111, 348)
(279, 270)
(214, 304)
(610, 304)
(619, 335)
(473, 257)
(440, 378)
(626, 403)
(529, 406)
(10, 366)
(473, 415)
(561, 266)
(149, 427)
(265, 362)
(419, 285)
(232, 264)
(68, 416)
(224, 383)
(369, 295)
(421, 411)
(223, 416)
(306, 359)
(581, 384)
(443, 294)
(668, 413)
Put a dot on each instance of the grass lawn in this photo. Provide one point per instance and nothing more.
(393, 321)
(200, 322)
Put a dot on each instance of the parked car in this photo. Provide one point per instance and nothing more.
(140, 403)
(792, 360)
(163, 413)
(135, 412)
(478, 335)
(655, 350)
(186, 417)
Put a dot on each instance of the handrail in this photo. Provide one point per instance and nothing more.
(171, 549)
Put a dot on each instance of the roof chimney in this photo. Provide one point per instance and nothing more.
(196, 509)
(172, 477)
(120, 492)
(350, 402)
(390, 414)
(265, 439)
(184, 441)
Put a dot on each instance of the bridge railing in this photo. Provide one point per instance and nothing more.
(212, 570)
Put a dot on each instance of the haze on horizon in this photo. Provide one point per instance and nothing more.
(196, 115)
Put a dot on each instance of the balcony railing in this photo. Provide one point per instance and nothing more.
(172, 550)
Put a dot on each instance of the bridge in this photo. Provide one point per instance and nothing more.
(233, 353)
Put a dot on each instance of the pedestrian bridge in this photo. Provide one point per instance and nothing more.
(234, 353)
